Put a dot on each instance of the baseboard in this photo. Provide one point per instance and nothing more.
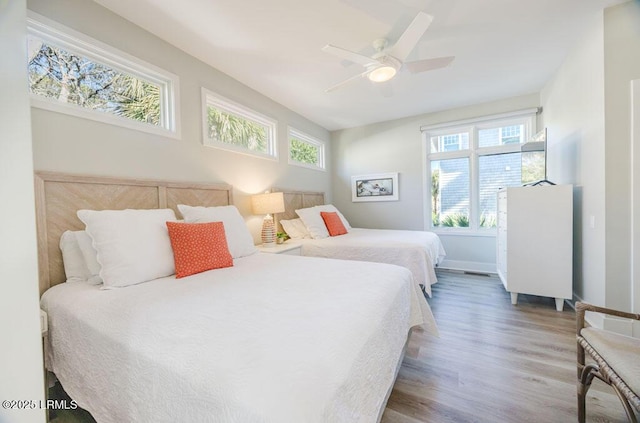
(614, 324)
(617, 325)
(468, 266)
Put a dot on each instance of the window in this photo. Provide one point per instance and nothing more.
(305, 150)
(74, 74)
(450, 192)
(450, 142)
(468, 162)
(234, 127)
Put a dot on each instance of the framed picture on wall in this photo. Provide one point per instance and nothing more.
(375, 187)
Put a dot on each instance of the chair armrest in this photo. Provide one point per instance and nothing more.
(582, 307)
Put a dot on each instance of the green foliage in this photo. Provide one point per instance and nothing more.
(69, 78)
(455, 220)
(235, 130)
(488, 221)
(137, 100)
(303, 152)
(533, 166)
(461, 220)
(435, 193)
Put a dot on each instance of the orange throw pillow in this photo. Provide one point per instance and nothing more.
(198, 247)
(333, 223)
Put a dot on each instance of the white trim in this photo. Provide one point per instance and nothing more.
(473, 121)
(301, 136)
(462, 231)
(525, 117)
(210, 98)
(618, 325)
(68, 39)
(635, 200)
(468, 266)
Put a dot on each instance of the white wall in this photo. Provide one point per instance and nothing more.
(573, 112)
(69, 144)
(396, 146)
(587, 108)
(21, 368)
(622, 65)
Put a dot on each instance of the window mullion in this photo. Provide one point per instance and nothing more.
(473, 184)
(491, 160)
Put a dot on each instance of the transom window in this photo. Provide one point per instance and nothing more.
(232, 126)
(74, 74)
(467, 162)
(450, 142)
(304, 150)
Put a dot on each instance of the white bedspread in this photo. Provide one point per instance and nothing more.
(418, 251)
(276, 338)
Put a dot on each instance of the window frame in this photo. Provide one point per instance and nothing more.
(210, 98)
(526, 117)
(58, 35)
(301, 136)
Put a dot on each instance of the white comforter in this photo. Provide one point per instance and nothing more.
(275, 338)
(418, 251)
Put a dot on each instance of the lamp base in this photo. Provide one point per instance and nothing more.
(268, 233)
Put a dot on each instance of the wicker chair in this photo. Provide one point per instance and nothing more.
(617, 361)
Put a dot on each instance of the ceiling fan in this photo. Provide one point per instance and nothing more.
(387, 61)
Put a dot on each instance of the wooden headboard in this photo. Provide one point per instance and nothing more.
(59, 196)
(294, 200)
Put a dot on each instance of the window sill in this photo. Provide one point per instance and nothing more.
(461, 232)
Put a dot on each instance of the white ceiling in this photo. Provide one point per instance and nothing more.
(503, 48)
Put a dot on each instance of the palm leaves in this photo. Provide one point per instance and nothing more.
(230, 129)
(71, 78)
(136, 99)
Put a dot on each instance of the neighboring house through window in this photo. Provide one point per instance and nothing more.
(74, 74)
(467, 162)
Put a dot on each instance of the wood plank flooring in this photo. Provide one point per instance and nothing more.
(494, 362)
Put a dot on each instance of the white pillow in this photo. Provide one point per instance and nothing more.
(315, 224)
(77, 253)
(90, 257)
(133, 246)
(74, 266)
(295, 229)
(239, 239)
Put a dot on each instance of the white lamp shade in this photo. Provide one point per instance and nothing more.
(272, 202)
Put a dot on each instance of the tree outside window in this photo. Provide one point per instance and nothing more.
(58, 74)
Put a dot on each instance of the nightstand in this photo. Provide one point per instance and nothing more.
(289, 248)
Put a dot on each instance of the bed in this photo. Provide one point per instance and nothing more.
(418, 251)
(252, 342)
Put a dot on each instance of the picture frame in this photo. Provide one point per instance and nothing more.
(374, 187)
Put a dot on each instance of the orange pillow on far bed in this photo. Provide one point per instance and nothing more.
(333, 223)
(198, 247)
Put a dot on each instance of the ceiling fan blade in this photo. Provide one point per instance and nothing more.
(410, 37)
(346, 81)
(349, 55)
(429, 64)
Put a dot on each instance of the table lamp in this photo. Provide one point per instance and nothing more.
(268, 203)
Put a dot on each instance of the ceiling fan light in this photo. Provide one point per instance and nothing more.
(382, 74)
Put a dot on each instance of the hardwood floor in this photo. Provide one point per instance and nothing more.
(494, 362)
